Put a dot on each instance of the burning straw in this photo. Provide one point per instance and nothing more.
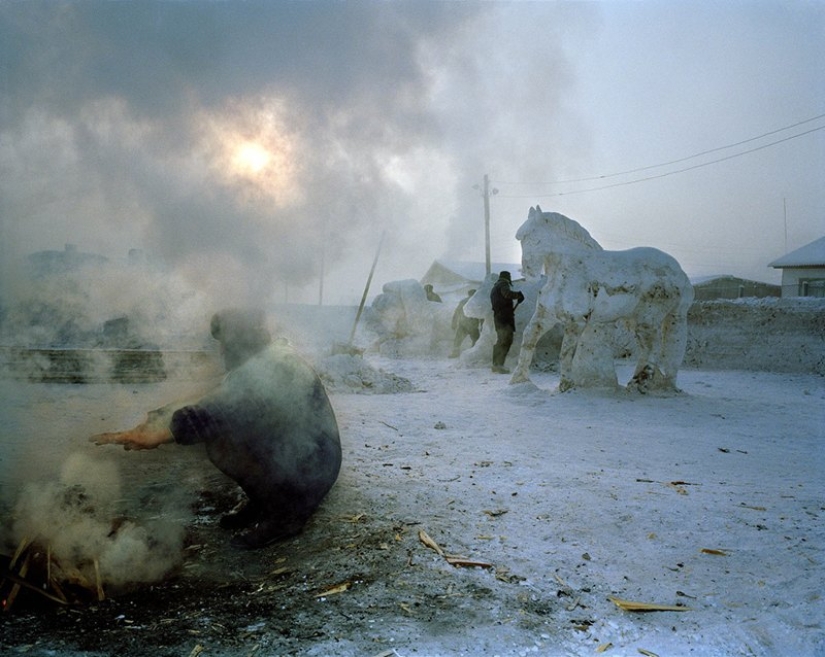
(72, 536)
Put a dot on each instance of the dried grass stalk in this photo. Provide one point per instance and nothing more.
(629, 605)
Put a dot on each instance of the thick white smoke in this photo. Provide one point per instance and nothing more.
(78, 520)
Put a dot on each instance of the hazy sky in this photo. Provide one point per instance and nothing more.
(251, 144)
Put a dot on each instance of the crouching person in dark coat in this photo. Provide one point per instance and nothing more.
(269, 426)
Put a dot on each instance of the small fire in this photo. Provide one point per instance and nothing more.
(73, 539)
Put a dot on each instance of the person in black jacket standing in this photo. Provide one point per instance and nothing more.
(504, 317)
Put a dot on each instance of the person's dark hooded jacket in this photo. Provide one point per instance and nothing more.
(501, 297)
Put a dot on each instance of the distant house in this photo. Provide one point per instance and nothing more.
(803, 270)
(452, 280)
(44, 263)
(707, 288)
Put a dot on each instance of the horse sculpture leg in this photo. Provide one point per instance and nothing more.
(674, 343)
(536, 327)
(648, 338)
(572, 333)
(661, 333)
(593, 364)
(670, 361)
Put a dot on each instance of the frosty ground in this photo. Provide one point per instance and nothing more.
(710, 500)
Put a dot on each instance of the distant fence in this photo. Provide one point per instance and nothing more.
(769, 335)
(88, 365)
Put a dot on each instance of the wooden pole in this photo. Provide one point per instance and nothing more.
(366, 288)
(487, 223)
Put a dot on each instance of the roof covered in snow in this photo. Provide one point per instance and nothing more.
(704, 280)
(473, 271)
(810, 255)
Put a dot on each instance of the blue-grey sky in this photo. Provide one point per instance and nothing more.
(251, 144)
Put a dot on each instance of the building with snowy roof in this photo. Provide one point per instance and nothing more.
(708, 288)
(60, 262)
(803, 270)
(452, 279)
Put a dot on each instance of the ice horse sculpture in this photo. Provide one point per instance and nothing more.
(588, 290)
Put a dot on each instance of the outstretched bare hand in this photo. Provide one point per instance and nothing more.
(134, 438)
(148, 435)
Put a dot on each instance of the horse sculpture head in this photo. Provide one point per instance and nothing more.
(546, 233)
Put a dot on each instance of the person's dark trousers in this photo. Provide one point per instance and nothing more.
(462, 333)
(504, 332)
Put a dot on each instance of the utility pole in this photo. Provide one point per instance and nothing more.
(323, 260)
(321, 286)
(486, 192)
(487, 223)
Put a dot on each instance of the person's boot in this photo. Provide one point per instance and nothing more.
(241, 516)
(266, 532)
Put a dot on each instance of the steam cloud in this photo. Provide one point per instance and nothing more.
(78, 518)
(71, 308)
(137, 137)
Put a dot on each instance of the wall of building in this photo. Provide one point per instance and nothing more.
(734, 288)
(792, 278)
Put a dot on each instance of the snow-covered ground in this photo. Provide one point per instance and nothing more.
(711, 500)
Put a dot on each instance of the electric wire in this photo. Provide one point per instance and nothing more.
(671, 162)
(667, 173)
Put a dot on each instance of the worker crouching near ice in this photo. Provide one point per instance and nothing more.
(269, 426)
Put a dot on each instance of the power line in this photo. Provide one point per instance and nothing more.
(668, 173)
(682, 159)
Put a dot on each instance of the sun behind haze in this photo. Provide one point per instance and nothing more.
(251, 152)
(282, 139)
